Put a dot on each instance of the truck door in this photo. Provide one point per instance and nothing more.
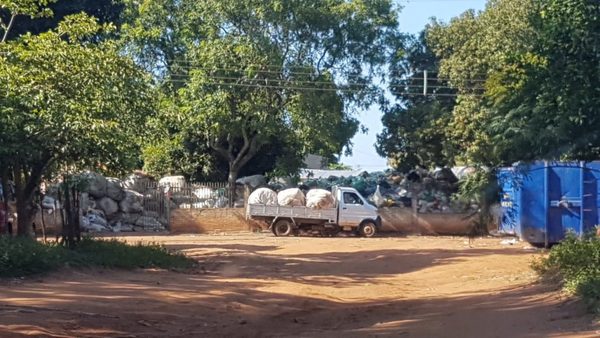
(352, 210)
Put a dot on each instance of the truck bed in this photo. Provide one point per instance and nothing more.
(260, 210)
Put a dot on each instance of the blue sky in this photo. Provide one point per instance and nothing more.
(413, 18)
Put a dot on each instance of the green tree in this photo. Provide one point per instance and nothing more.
(414, 128)
(471, 47)
(545, 102)
(67, 104)
(13, 10)
(253, 71)
(106, 11)
(537, 66)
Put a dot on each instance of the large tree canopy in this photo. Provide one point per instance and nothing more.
(527, 73)
(414, 133)
(67, 104)
(249, 72)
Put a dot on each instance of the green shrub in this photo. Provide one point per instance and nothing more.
(576, 263)
(116, 254)
(23, 256)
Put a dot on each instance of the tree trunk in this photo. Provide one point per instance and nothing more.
(233, 175)
(27, 180)
(4, 179)
(25, 207)
(41, 207)
(25, 214)
(71, 231)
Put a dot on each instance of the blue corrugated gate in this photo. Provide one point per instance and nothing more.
(544, 200)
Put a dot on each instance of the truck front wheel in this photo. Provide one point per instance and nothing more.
(283, 227)
(367, 229)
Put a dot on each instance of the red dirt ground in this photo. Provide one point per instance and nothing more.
(262, 286)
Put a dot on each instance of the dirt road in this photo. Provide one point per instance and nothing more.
(262, 286)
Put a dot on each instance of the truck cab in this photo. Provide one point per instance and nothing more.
(354, 211)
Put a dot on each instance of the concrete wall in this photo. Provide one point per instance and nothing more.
(402, 220)
(204, 221)
(394, 220)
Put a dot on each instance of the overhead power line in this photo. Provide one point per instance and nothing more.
(287, 71)
(343, 90)
(275, 81)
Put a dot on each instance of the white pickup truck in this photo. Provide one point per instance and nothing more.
(351, 213)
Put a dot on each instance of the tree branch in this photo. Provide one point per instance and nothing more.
(247, 143)
(321, 58)
(36, 174)
(253, 149)
(219, 149)
(7, 28)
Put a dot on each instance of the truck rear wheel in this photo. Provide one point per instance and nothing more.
(367, 229)
(283, 227)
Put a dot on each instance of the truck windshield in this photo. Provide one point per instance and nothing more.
(351, 198)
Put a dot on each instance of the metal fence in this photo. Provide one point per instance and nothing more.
(155, 202)
(205, 195)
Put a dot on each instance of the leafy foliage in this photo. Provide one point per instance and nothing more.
(526, 72)
(23, 256)
(45, 15)
(577, 263)
(67, 103)
(414, 131)
(10, 10)
(552, 92)
(242, 74)
(470, 48)
(116, 254)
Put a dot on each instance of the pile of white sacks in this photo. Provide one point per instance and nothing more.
(293, 197)
(109, 204)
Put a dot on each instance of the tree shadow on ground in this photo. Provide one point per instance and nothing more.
(250, 290)
(164, 304)
(263, 262)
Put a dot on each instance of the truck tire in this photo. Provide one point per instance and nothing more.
(283, 227)
(367, 229)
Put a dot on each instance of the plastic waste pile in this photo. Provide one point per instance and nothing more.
(433, 191)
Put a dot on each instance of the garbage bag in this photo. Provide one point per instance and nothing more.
(378, 199)
(292, 197)
(319, 199)
(264, 196)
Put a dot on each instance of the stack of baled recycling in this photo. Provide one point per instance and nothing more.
(294, 197)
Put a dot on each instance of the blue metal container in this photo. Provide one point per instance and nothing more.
(542, 201)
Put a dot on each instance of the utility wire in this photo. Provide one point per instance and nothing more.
(182, 63)
(192, 63)
(285, 71)
(319, 89)
(307, 82)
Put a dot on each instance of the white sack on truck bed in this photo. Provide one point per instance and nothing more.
(263, 196)
(319, 199)
(293, 197)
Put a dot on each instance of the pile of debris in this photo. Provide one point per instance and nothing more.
(109, 204)
(432, 191)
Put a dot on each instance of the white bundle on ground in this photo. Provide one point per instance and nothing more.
(319, 199)
(264, 196)
(292, 197)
